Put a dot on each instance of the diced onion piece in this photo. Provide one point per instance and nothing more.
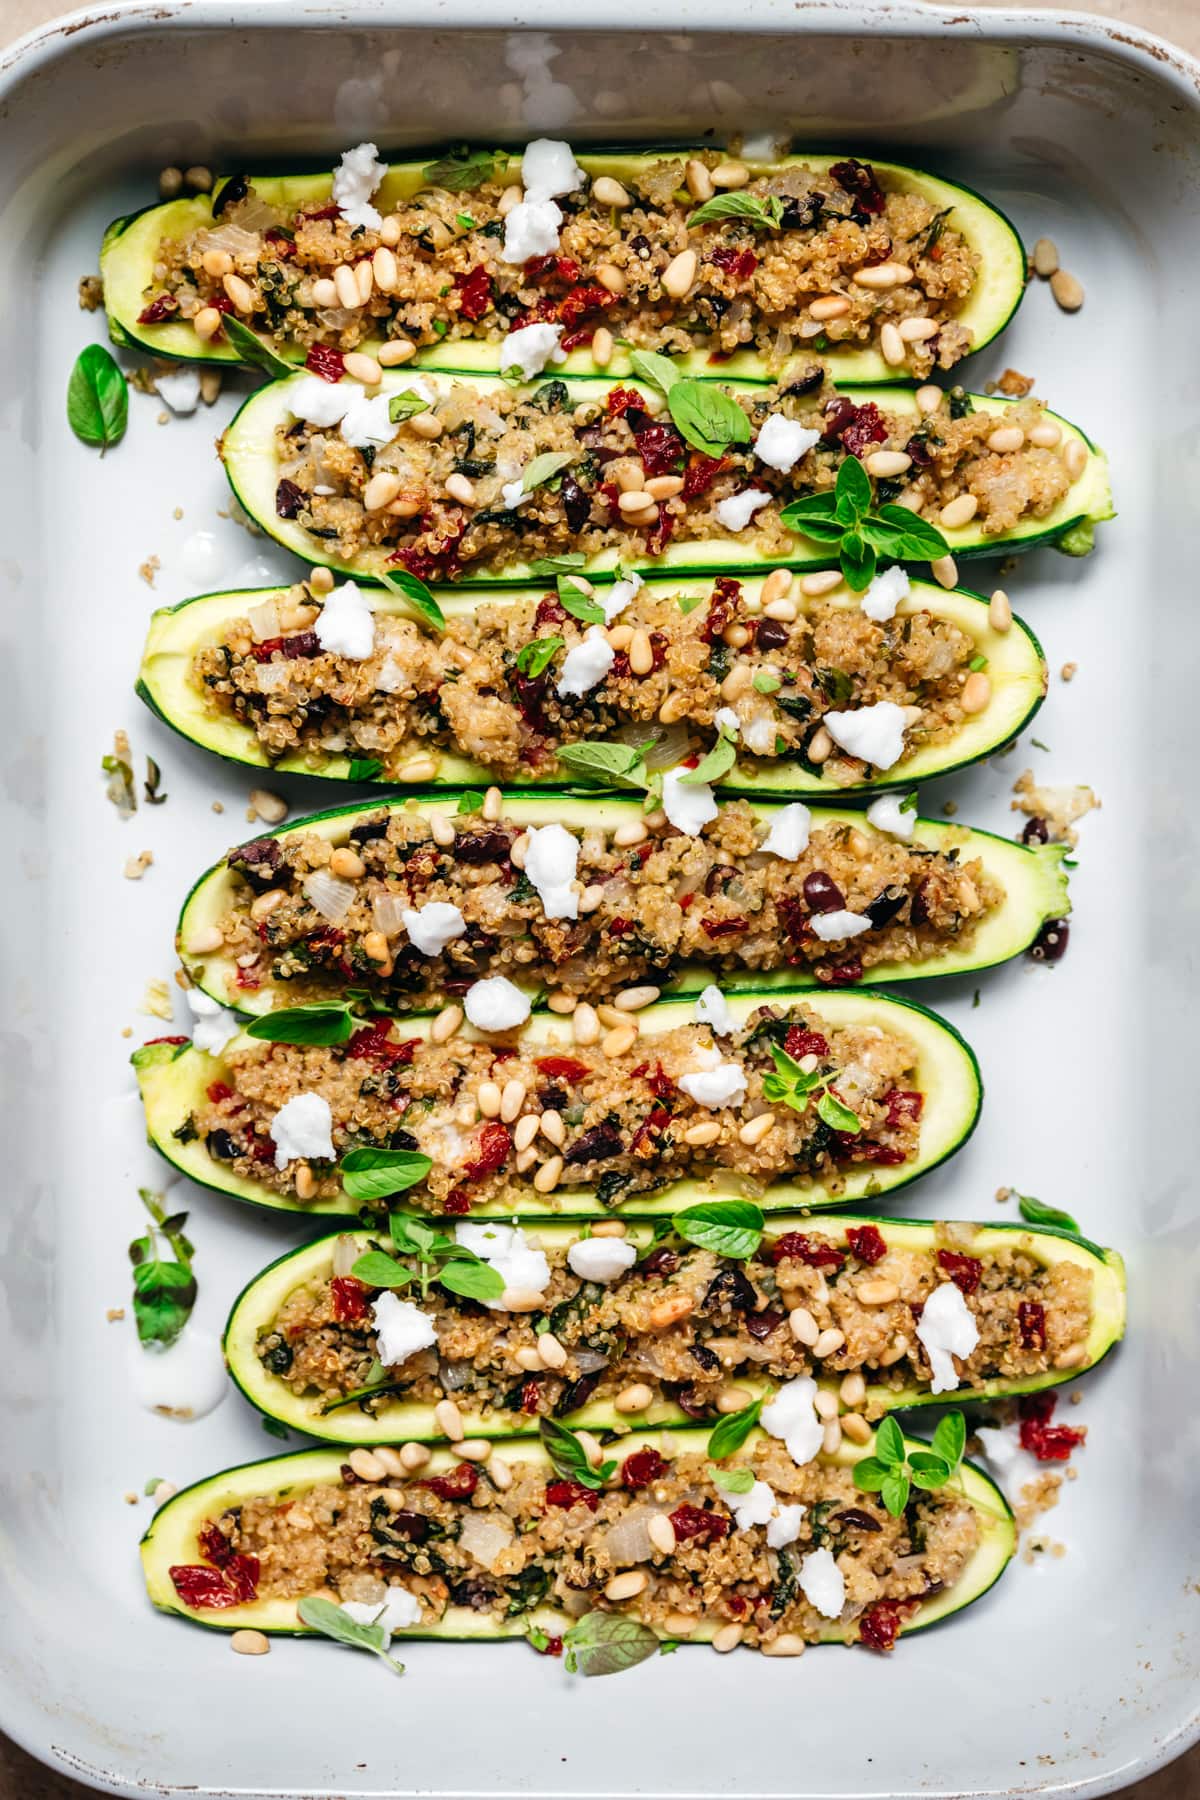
(387, 913)
(329, 896)
(485, 1536)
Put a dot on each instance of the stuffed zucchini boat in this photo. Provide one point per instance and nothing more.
(499, 694)
(652, 1110)
(645, 1329)
(497, 1548)
(472, 478)
(585, 895)
(609, 252)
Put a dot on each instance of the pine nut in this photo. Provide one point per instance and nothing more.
(426, 425)
(1006, 439)
(270, 807)
(829, 306)
(635, 1398)
(381, 490)
(1075, 458)
(441, 830)
(618, 1041)
(853, 1389)
(804, 1327)
(206, 323)
(820, 746)
(493, 806)
(1000, 615)
(512, 196)
(347, 865)
(661, 1533)
(390, 1459)
(757, 1128)
(830, 1340)
(414, 1456)
(822, 582)
(727, 1638)
(209, 937)
(895, 1350)
(918, 331)
(306, 1182)
(680, 1624)
(825, 1404)
(384, 269)
(585, 1026)
(945, 573)
(421, 768)
(733, 1399)
(610, 277)
(396, 350)
(474, 1449)
(1072, 1358)
(613, 1228)
(366, 1465)
(547, 1177)
(679, 274)
(239, 292)
(831, 1438)
(526, 1130)
(608, 1015)
(887, 462)
(633, 999)
(876, 1293)
(602, 347)
(730, 174)
(891, 345)
(487, 1098)
(321, 581)
(697, 180)
(1045, 435)
(620, 636)
(674, 707)
(648, 516)
(592, 1448)
(376, 946)
(641, 653)
(448, 1420)
(551, 1351)
(635, 500)
(512, 1100)
(390, 231)
(1066, 290)
(364, 276)
(736, 636)
(170, 182)
(460, 489)
(928, 398)
(216, 263)
(707, 1132)
(776, 587)
(626, 1585)
(855, 1427)
(883, 275)
(529, 1358)
(552, 1128)
(664, 487)
(1045, 258)
(626, 836)
(788, 1643)
(669, 1312)
(610, 192)
(976, 693)
(346, 284)
(249, 1643)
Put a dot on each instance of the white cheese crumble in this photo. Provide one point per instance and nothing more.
(790, 1417)
(755, 1508)
(551, 859)
(354, 181)
(723, 1085)
(528, 350)
(947, 1329)
(431, 927)
(303, 1126)
(531, 229)
(402, 1329)
(712, 1009)
(759, 735)
(391, 677)
(784, 1528)
(548, 169)
(736, 512)
(726, 720)
(495, 1004)
(521, 1266)
(789, 833)
(600, 1259)
(585, 665)
(876, 733)
(180, 388)
(317, 402)
(885, 594)
(822, 1583)
(616, 598)
(514, 494)
(396, 1612)
(688, 805)
(887, 814)
(346, 624)
(366, 424)
(781, 442)
(836, 927)
(215, 1026)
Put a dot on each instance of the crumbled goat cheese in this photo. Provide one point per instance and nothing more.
(601, 1259)
(548, 169)
(876, 733)
(402, 1329)
(530, 349)
(688, 805)
(724, 1085)
(781, 442)
(531, 229)
(366, 424)
(712, 1009)
(495, 1004)
(317, 402)
(736, 512)
(303, 1126)
(726, 720)
(431, 927)
(835, 927)
(947, 1329)
(755, 1508)
(354, 181)
(885, 594)
(180, 388)
(789, 833)
(514, 494)
(215, 1026)
(784, 1528)
(521, 1266)
(346, 624)
(758, 735)
(822, 1583)
(391, 676)
(790, 1417)
(585, 665)
(887, 814)
(551, 859)
(396, 1612)
(616, 598)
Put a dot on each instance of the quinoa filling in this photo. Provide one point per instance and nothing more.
(489, 688)
(618, 1116)
(683, 1324)
(445, 494)
(434, 269)
(504, 1539)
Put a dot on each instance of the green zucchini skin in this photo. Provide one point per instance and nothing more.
(130, 246)
(402, 1422)
(1016, 669)
(172, 1538)
(1034, 879)
(172, 1078)
(249, 455)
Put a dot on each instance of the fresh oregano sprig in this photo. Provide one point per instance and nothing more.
(569, 1457)
(438, 1258)
(844, 521)
(164, 1287)
(794, 1087)
(894, 1470)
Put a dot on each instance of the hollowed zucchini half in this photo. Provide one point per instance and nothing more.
(130, 250)
(1033, 878)
(172, 1078)
(400, 1421)
(1016, 670)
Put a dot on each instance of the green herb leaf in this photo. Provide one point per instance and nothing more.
(466, 222)
(374, 1174)
(471, 801)
(537, 1638)
(406, 406)
(812, 506)
(416, 593)
(569, 1456)
(535, 658)
(837, 1116)
(712, 767)
(727, 1227)
(317, 1024)
(950, 1439)
(789, 1082)
(413, 1237)
(852, 492)
(119, 787)
(915, 540)
(977, 663)
(558, 565)
(889, 1442)
(152, 1485)
(602, 762)
(658, 370)
(733, 1430)
(732, 1481)
(364, 768)
(151, 784)
(1036, 1212)
(760, 214)
(164, 1290)
(544, 468)
(706, 416)
(332, 1621)
(463, 170)
(472, 1278)
(580, 605)
(928, 1471)
(97, 399)
(253, 349)
(869, 1474)
(893, 1491)
(375, 1269)
(688, 603)
(858, 561)
(606, 1643)
(765, 682)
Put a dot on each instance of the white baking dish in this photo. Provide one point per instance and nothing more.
(1073, 1677)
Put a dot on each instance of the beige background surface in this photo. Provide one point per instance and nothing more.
(22, 1778)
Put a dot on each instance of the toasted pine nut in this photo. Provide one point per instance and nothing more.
(669, 1312)
(618, 1041)
(679, 274)
(216, 263)
(1072, 1358)
(733, 1399)
(206, 323)
(384, 270)
(585, 1026)
(321, 581)
(592, 1448)
(706, 1132)
(526, 1130)
(390, 1458)
(1045, 257)
(381, 490)
(239, 292)
(944, 572)
(635, 500)
(697, 180)
(635, 1398)
(891, 345)
(674, 707)
(487, 1098)
(853, 1390)
(493, 806)
(210, 938)
(661, 1533)
(1074, 458)
(426, 425)
(883, 275)
(264, 906)
(831, 1438)
(757, 1128)
(1045, 435)
(414, 1456)
(641, 653)
(739, 681)
(396, 350)
(364, 276)
(855, 1427)
(346, 864)
(346, 284)
(680, 1624)
(608, 1015)
(421, 768)
(551, 1351)
(376, 947)
(250, 1643)
(787, 610)
(804, 1327)
(610, 277)
(895, 1350)
(829, 1341)
(825, 1404)
(918, 331)
(552, 1128)
(829, 306)
(664, 487)
(626, 836)
(728, 1637)
(362, 367)
(512, 1099)
(306, 1182)
(448, 1420)
(822, 582)
(1005, 439)
(529, 1358)
(777, 586)
(887, 462)
(474, 1449)
(390, 231)
(602, 347)
(633, 999)
(820, 746)
(547, 1177)
(878, 1292)
(441, 829)
(460, 489)
(614, 1228)
(590, 899)
(610, 192)
(366, 1465)
(1000, 614)
(1066, 290)
(512, 196)
(976, 693)
(730, 174)
(625, 1585)
(788, 1643)
(929, 398)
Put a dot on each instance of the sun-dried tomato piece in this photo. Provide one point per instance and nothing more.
(903, 1106)
(965, 1272)
(165, 1040)
(588, 298)
(241, 1572)
(854, 427)
(562, 1068)
(1031, 1325)
(863, 1149)
(199, 1586)
(218, 1091)
(163, 306)
(843, 974)
(660, 1084)
(719, 928)
(531, 1396)
(620, 400)
(640, 1469)
(215, 1547)
(866, 1242)
(571, 1493)
(349, 1299)
(799, 1247)
(494, 1146)
(325, 361)
(880, 1625)
(460, 1484)
(457, 1202)
(741, 264)
(692, 1522)
(552, 268)
(722, 608)
(1049, 1443)
(292, 649)
(249, 979)
(861, 182)
(700, 473)
(373, 1043)
(653, 1125)
(474, 292)
(802, 1042)
(661, 449)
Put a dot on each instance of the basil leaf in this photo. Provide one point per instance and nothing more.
(732, 1481)
(535, 658)
(469, 802)
(889, 1442)
(375, 1269)
(835, 1115)
(607, 1643)
(472, 1278)
(858, 561)
(761, 214)
(718, 762)
(569, 1456)
(332, 1621)
(253, 349)
(580, 606)
(97, 399)
(733, 1430)
(600, 762)
(416, 593)
(374, 1174)
(894, 1490)
(462, 170)
(869, 1474)
(406, 406)
(658, 370)
(412, 1236)
(365, 768)
(544, 468)
(706, 416)
(558, 565)
(317, 1024)
(1036, 1212)
(727, 1227)
(852, 492)
(163, 1296)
